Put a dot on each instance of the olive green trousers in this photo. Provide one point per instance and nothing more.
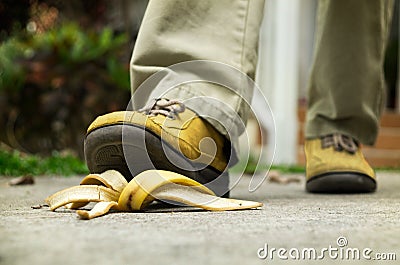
(346, 87)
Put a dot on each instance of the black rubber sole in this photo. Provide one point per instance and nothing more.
(131, 150)
(341, 182)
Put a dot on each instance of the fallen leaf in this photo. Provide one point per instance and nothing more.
(276, 177)
(25, 180)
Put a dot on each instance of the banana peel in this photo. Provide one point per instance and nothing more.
(110, 190)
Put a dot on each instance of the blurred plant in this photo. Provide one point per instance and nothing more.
(15, 163)
(53, 84)
(11, 74)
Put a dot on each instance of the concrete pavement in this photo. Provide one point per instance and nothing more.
(290, 219)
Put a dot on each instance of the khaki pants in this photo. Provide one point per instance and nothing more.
(346, 84)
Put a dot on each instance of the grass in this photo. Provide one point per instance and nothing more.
(251, 166)
(16, 164)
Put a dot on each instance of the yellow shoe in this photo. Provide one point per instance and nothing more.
(335, 164)
(165, 135)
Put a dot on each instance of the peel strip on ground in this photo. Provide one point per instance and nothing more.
(192, 197)
(85, 193)
(101, 208)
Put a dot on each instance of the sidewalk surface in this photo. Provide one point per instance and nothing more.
(290, 218)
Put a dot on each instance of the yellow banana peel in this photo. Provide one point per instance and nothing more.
(110, 190)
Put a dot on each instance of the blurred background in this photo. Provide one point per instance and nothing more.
(62, 63)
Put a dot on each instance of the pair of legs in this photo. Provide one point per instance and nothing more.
(346, 88)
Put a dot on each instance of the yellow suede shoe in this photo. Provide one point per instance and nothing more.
(164, 135)
(335, 164)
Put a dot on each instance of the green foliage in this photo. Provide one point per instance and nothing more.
(117, 73)
(69, 46)
(73, 45)
(53, 84)
(16, 164)
(11, 74)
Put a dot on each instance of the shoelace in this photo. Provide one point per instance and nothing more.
(166, 107)
(340, 142)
